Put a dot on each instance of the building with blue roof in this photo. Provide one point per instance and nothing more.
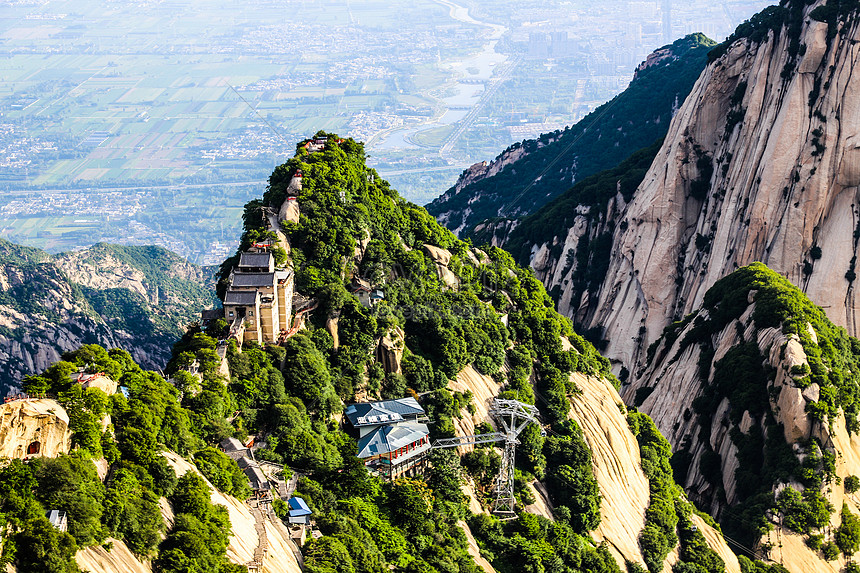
(299, 511)
(392, 439)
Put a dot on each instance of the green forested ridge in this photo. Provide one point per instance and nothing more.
(594, 192)
(343, 202)
(286, 395)
(37, 287)
(632, 120)
(744, 376)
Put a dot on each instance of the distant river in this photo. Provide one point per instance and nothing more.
(465, 94)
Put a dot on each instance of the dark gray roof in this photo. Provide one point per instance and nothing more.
(253, 279)
(254, 474)
(255, 259)
(231, 444)
(391, 438)
(256, 478)
(385, 412)
(212, 314)
(242, 297)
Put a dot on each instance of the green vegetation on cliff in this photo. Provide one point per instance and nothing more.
(745, 377)
(447, 310)
(588, 199)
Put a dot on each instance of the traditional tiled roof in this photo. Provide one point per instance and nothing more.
(240, 297)
(385, 412)
(255, 260)
(386, 439)
(212, 314)
(253, 279)
(254, 473)
(232, 445)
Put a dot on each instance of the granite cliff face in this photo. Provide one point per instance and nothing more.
(749, 390)
(762, 162)
(31, 428)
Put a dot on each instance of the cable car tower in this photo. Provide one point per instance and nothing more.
(514, 417)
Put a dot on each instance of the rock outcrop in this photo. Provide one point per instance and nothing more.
(118, 559)
(31, 428)
(624, 490)
(442, 257)
(389, 351)
(760, 163)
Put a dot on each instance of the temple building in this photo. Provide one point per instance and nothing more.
(259, 300)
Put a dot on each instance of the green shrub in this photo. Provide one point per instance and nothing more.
(658, 536)
(223, 472)
(830, 551)
(847, 535)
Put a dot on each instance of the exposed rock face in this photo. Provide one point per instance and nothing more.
(483, 389)
(718, 543)
(280, 557)
(680, 389)
(99, 381)
(674, 381)
(119, 558)
(32, 428)
(442, 257)
(757, 165)
(389, 351)
(473, 549)
(624, 490)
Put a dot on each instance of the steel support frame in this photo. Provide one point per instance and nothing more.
(514, 417)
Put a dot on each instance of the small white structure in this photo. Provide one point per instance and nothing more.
(58, 519)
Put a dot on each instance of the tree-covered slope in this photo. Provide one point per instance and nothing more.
(758, 393)
(137, 298)
(447, 308)
(529, 174)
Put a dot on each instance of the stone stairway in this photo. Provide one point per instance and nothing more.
(263, 544)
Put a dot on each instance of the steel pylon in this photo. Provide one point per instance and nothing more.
(514, 416)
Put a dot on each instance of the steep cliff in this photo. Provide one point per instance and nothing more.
(529, 174)
(756, 392)
(624, 488)
(760, 163)
(137, 298)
